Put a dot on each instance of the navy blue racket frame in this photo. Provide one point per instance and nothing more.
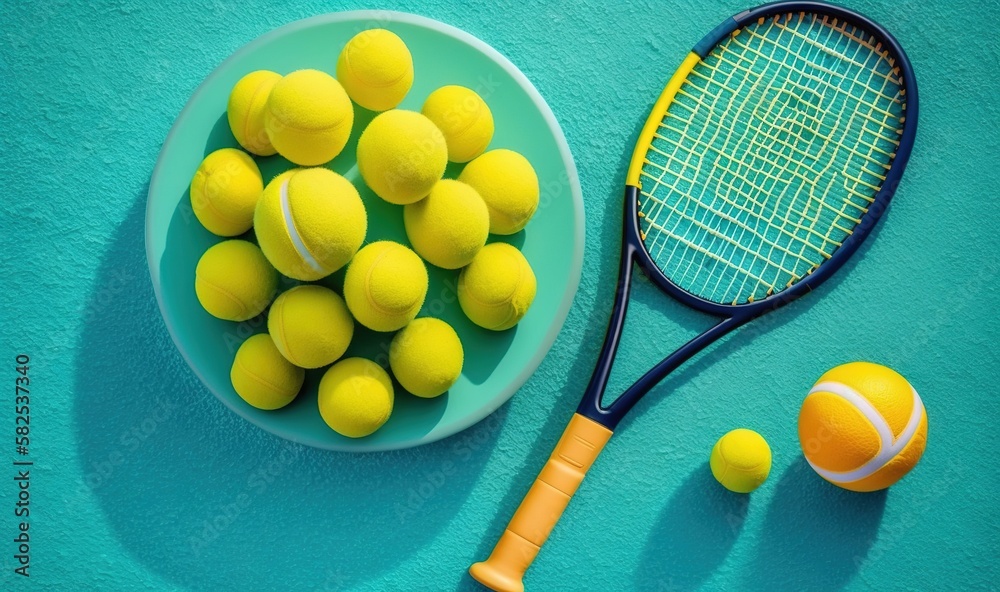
(732, 316)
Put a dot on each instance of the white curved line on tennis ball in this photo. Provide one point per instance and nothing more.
(293, 233)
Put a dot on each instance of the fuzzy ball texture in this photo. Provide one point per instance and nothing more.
(497, 288)
(310, 222)
(741, 460)
(401, 155)
(385, 286)
(308, 117)
(262, 376)
(245, 111)
(426, 357)
(464, 118)
(862, 426)
(376, 69)
(225, 190)
(234, 281)
(449, 226)
(509, 186)
(310, 325)
(355, 397)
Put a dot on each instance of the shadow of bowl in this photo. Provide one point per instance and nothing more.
(209, 501)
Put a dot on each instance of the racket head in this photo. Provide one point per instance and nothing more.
(813, 85)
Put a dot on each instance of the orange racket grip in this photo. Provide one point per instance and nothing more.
(544, 503)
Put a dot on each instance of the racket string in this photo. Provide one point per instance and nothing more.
(770, 154)
(740, 140)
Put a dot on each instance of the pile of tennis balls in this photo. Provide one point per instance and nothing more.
(310, 222)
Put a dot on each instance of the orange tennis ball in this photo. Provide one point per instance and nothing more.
(862, 426)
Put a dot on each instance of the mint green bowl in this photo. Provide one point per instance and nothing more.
(496, 364)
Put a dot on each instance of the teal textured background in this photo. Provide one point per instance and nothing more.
(143, 480)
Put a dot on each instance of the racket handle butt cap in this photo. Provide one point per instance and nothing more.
(495, 574)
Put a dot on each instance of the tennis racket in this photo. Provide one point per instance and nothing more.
(768, 158)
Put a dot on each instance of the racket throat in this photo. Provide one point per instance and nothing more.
(634, 255)
(610, 415)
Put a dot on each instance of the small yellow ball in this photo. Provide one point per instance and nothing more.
(310, 325)
(262, 377)
(497, 288)
(401, 155)
(385, 286)
(741, 460)
(449, 226)
(376, 69)
(225, 191)
(245, 111)
(426, 357)
(464, 118)
(308, 117)
(234, 281)
(355, 397)
(509, 186)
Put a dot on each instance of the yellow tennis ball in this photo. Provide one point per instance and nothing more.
(401, 155)
(862, 426)
(234, 281)
(355, 397)
(245, 111)
(262, 376)
(308, 117)
(426, 357)
(509, 186)
(310, 222)
(449, 226)
(376, 69)
(385, 286)
(464, 119)
(310, 325)
(741, 460)
(225, 190)
(497, 288)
